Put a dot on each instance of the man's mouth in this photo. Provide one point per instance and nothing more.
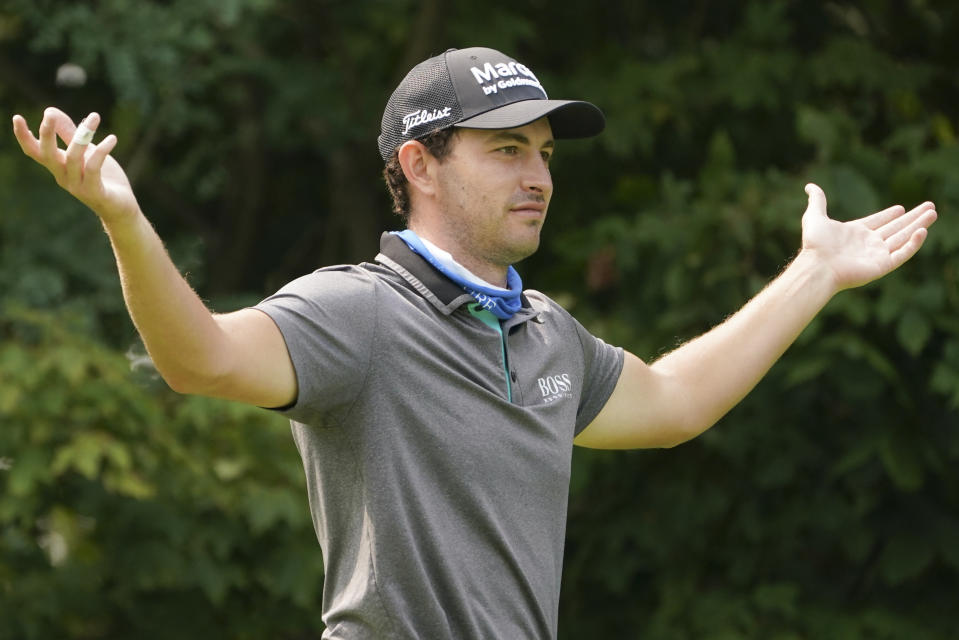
(529, 208)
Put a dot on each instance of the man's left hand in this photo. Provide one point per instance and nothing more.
(860, 251)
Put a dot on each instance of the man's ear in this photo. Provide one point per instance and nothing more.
(417, 163)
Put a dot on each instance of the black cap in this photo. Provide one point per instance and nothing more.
(477, 88)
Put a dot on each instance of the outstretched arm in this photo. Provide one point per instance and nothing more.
(685, 392)
(241, 355)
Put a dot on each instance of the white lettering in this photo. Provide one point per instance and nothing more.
(515, 82)
(551, 384)
(485, 75)
(417, 118)
(501, 70)
(489, 75)
(555, 387)
(542, 387)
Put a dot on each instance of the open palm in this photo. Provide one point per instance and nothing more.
(862, 250)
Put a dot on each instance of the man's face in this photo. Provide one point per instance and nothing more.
(494, 189)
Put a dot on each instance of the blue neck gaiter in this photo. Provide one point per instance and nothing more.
(502, 304)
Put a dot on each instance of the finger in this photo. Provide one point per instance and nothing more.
(880, 218)
(63, 125)
(909, 249)
(906, 219)
(91, 171)
(76, 150)
(904, 236)
(817, 201)
(25, 138)
(49, 153)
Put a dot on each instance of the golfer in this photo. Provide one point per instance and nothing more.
(433, 399)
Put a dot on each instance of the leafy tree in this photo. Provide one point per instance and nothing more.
(128, 512)
(822, 507)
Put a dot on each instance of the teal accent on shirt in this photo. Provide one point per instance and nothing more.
(413, 463)
(492, 321)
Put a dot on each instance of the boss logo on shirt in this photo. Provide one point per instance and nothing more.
(555, 387)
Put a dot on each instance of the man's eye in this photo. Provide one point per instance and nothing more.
(510, 150)
(546, 155)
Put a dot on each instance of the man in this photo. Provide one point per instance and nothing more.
(433, 401)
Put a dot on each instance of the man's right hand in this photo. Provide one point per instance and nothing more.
(240, 356)
(88, 172)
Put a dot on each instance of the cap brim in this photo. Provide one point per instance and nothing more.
(567, 118)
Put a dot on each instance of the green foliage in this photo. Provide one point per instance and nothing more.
(822, 507)
(126, 511)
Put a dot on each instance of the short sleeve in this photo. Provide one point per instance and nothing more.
(602, 366)
(328, 320)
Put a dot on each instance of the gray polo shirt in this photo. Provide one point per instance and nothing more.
(436, 442)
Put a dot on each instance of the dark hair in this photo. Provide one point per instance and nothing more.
(439, 144)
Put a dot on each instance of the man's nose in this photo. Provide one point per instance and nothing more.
(537, 176)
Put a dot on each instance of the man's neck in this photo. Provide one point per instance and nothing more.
(492, 274)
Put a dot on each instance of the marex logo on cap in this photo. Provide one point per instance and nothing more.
(489, 76)
(477, 88)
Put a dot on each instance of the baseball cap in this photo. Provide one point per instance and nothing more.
(477, 88)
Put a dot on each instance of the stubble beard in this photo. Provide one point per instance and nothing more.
(498, 243)
(486, 231)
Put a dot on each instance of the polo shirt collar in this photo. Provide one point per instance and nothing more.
(441, 292)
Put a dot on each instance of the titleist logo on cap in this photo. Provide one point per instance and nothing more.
(416, 118)
(477, 88)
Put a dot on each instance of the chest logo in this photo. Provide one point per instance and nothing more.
(556, 387)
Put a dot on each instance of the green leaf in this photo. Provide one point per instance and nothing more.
(779, 598)
(901, 461)
(904, 558)
(913, 331)
(27, 469)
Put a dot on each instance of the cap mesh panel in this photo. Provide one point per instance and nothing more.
(426, 87)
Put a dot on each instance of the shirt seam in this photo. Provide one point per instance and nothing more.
(365, 384)
(609, 393)
(420, 287)
(582, 389)
(369, 358)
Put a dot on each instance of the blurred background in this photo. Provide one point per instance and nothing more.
(825, 506)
